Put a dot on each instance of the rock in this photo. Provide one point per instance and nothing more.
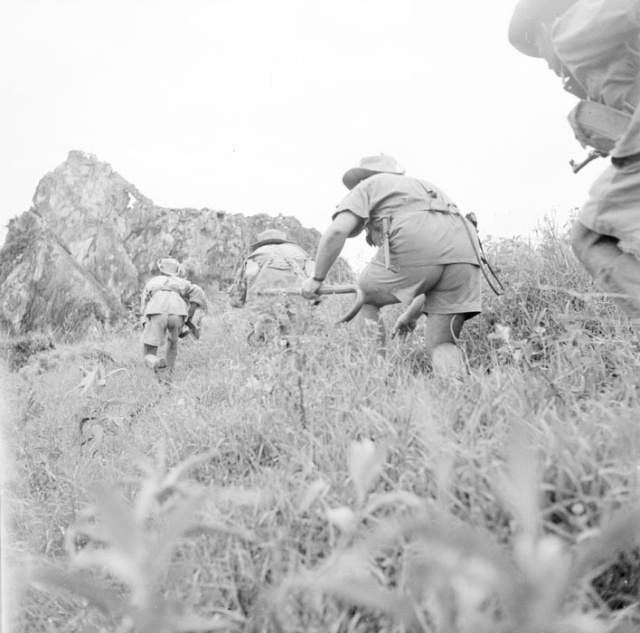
(43, 288)
(76, 262)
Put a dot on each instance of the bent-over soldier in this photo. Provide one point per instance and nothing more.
(167, 302)
(427, 254)
(594, 47)
(274, 263)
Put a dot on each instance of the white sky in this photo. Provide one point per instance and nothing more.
(260, 106)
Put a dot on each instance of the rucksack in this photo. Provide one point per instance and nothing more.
(284, 265)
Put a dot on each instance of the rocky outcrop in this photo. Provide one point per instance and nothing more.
(77, 260)
(43, 287)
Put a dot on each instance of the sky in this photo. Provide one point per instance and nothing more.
(260, 106)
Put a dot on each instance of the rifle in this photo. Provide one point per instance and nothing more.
(325, 290)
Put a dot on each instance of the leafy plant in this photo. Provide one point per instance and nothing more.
(451, 578)
(131, 547)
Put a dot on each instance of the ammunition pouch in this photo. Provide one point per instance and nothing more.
(597, 125)
(375, 231)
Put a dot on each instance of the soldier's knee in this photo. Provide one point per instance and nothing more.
(583, 240)
(580, 240)
(447, 359)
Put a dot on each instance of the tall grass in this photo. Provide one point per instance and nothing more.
(319, 486)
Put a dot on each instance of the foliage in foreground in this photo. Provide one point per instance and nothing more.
(321, 487)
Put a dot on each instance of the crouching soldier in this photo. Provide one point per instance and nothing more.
(274, 264)
(428, 255)
(167, 304)
(594, 47)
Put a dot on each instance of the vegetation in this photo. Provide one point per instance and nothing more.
(317, 486)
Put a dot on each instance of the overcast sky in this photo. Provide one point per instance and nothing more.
(260, 106)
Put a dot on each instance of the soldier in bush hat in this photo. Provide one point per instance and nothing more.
(167, 302)
(594, 47)
(274, 262)
(426, 259)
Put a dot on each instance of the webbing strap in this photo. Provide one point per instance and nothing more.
(482, 258)
(479, 251)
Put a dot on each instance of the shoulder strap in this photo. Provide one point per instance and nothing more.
(436, 202)
(451, 208)
(482, 258)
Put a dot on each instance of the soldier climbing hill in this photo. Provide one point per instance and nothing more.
(273, 263)
(594, 47)
(168, 302)
(427, 256)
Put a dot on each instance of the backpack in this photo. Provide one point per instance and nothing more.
(284, 265)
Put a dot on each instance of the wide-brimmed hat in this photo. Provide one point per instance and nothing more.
(369, 166)
(270, 236)
(169, 266)
(527, 18)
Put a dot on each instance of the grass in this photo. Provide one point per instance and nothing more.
(321, 487)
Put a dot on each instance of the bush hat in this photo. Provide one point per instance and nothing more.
(370, 165)
(169, 266)
(270, 236)
(527, 18)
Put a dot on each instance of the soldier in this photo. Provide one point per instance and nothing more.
(427, 257)
(594, 47)
(274, 262)
(167, 302)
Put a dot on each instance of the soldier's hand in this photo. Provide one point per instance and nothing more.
(310, 288)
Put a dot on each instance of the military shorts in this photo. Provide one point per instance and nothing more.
(449, 288)
(159, 327)
(613, 206)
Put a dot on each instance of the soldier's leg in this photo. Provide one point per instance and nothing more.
(383, 287)
(368, 319)
(150, 355)
(441, 335)
(616, 272)
(174, 325)
(455, 298)
(152, 338)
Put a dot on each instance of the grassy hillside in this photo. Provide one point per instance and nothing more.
(320, 487)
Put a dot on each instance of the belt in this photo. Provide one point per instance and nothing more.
(623, 161)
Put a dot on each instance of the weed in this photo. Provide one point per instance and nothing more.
(380, 496)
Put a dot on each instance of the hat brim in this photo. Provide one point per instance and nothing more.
(522, 33)
(526, 20)
(357, 174)
(273, 240)
(167, 272)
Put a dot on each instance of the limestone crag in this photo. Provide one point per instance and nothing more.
(77, 260)
(45, 286)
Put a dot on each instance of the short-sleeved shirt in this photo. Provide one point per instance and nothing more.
(418, 235)
(168, 295)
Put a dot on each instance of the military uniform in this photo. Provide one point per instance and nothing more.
(594, 45)
(427, 239)
(166, 303)
(274, 263)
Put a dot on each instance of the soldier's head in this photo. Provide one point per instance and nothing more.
(169, 266)
(531, 23)
(270, 236)
(370, 165)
